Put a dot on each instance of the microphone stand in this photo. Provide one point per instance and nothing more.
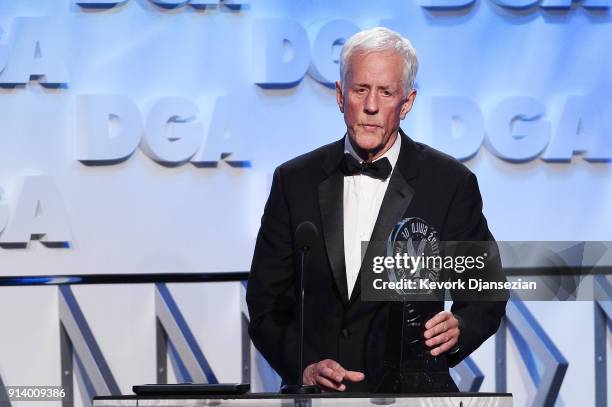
(301, 388)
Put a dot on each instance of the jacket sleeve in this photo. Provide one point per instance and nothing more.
(271, 290)
(479, 313)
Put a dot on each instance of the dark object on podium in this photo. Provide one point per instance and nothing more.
(305, 235)
(300, 389)
(190, 389)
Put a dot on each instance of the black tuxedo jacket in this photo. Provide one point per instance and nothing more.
(426, 184)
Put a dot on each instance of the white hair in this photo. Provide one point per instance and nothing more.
(380, 39)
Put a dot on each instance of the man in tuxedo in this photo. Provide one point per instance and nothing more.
(353, 190)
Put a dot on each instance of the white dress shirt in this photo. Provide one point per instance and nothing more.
(363, 196)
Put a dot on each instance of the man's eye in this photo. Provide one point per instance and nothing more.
(386, 93)
(361, 90)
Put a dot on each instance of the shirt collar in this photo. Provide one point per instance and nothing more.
(392, 154)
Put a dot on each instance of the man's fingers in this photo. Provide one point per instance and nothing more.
(436, 319)
(443, 337)
(436, 330)
(441, 327)
(308, 377)
(330, 374)
(331, 370)
(328, 384)
(443, 330)
(354, 376)
(332, 364)
(444, 347)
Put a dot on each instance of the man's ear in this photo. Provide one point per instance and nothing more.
(339, 96)
(407, 105)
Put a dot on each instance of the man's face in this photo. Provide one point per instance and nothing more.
(373, 101)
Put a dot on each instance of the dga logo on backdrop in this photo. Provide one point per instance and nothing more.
(168, 4)
(38, 213)
(109, 128)
(516, 4)
(414, 238)
(518, 129)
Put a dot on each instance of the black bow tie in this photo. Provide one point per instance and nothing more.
(379, 169)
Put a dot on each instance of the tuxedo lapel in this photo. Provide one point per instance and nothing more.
(397, 198)
(395, 203)
(331, 205)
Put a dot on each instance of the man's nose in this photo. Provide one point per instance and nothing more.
(371, 104)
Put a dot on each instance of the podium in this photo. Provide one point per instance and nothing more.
(318, 400)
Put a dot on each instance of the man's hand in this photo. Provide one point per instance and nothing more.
(442, 332)
(328, 374)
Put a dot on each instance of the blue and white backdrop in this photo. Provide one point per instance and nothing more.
(139, 136)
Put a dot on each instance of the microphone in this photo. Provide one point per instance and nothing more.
(305, 237)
